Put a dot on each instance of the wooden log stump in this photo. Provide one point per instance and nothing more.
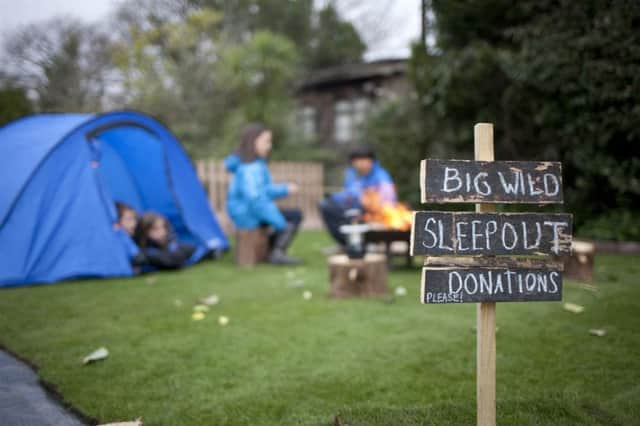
(252, 246)
(579, 265)
(358, 277)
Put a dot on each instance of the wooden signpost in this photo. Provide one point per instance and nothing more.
(479, 254)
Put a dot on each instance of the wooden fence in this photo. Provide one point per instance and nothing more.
(309, 176)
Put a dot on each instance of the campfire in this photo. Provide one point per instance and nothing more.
(395, 216)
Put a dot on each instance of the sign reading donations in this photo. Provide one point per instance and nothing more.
(448, 233)
(460, 181)
(473, 285)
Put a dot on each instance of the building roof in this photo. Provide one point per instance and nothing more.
(353, 72)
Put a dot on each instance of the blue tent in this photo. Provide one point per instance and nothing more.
(61, 174)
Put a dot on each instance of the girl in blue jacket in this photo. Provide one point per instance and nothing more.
(251, 193)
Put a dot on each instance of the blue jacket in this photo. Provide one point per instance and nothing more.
(251, 193)
(377, 179)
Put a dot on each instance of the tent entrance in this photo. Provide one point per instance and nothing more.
(134, 168)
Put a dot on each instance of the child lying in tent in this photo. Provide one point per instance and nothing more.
(153, 247)
(156, 242)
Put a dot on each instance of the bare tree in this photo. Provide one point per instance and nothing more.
(378, 23)
(63, 64)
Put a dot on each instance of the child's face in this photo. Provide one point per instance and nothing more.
(128, 221)
(158, 232)
(263, 144)
(362, 165)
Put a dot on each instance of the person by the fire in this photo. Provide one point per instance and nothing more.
(251, 193)
(365, 181)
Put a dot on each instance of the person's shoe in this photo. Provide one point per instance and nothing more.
(279, 257)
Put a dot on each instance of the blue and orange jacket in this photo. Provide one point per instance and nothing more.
(251, 195)
(378, 179)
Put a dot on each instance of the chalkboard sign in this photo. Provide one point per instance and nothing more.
(449, 233)
(473, 285)
(463, 181)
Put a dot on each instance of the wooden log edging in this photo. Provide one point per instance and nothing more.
(616, 247)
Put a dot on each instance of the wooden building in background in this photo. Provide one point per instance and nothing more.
(333, 103)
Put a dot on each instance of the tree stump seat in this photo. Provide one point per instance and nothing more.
(579, 264)
(252, 246)
(358, 277)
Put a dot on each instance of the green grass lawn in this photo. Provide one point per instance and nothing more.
(283, 360)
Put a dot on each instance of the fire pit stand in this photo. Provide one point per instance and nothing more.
(389, 236)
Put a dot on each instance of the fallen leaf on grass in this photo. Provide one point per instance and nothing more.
(197, 316)
(96, 355)
(572, 307)
(222, 320)
(600, 332)
(401, 291)
(201, 308)
(210, 300)
(296, 283)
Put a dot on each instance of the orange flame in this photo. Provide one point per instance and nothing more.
(392, 216)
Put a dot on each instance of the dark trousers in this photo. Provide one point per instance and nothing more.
(293, 218)
(333, 216)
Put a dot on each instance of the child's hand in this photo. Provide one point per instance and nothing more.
(293, 188)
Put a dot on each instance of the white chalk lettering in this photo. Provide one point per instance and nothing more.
(468, 278)
(441, 235)
(451, 174)
(525, 233)
(514, 235)
(474, 234)
(493, 284)
(542, 283)
(557, 227)
(460, 235)
(532, 189)
(530, 281)
(519, 282)
(485, 284)
(498, 285)
(510, 188)
(552, 280)
(477, 182)
(550, 178)
(433, 234)
(459, 278)
(488, 233)
(432, 297)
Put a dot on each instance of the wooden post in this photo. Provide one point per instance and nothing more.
(486, 312)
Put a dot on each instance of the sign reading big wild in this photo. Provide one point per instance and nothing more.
(487, 257)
